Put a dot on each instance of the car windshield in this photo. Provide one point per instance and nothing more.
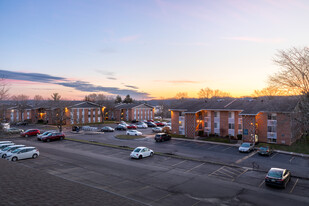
(245, 145)
(28, 130)
(263, 148)
(15, 151)
(6, 148)
(137, 150)
(275, 173)
(45, 133)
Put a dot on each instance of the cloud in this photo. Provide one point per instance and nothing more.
(256, 39)
(77, 85)
(110, 75)
(127, 39)
(179, 81)
(130, 86)
(111, 78)
(33, 77)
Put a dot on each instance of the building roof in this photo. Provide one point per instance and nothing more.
(246, 106)
(85, 104)
(133, 105)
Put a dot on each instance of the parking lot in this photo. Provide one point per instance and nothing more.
(158, 180)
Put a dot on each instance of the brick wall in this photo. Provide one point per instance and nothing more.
(175, 122)
(212, 122)
(190, 125)
(283, 129)
(261, 129)
(224, 123)
(249, 125)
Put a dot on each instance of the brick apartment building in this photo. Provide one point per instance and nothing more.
(17, 114)
(133, 111)
(272, 120)
(84, 112)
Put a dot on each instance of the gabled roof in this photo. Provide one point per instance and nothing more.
(85, 105)
(247, 106)
(25, 107)
(133, 105)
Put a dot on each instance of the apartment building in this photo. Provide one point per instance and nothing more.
(133, 111)
(272, 120)
(84, 112)
(20, 113)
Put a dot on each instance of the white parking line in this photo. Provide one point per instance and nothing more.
(262, 183)
(160, 198)
(227, 148)
(137, 190)
(292, 159)
(273, 155)
(246, 157)
(213, 146)
(294, 185)
(195, 167)
(178, 163)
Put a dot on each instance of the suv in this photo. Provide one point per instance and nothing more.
(30, 132)
(162, 137)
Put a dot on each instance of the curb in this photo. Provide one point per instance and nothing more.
(173, 156)
(292, 153)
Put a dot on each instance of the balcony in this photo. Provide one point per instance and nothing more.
(271, 122)
(272, 135)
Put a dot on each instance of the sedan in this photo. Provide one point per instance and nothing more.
(8, 149)
(157, 129)
(160, 124)
(131, 126)
(23, 153)
(121, 127)
(30, 132)
(44, 134)
(53, 136)
(142, 126)
(13, 130)
(278, 177)
(246, 147)
(140, 152)
(151, 124)
(134, 133)
(265, 151)
(107, 129)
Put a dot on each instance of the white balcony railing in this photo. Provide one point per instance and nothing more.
(271, 122)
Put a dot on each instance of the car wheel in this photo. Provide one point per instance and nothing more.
(140, 157)
(135, 134)
(61, 138)
(34, 156)
(4, 156)
(26, 135)
(151, 154)
(14, 159)
(48, 140)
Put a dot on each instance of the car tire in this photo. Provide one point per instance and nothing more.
(34, 156)
(140, 157)
(48, 140)
(61, 138)
(4, 156)
(26, 135)
(14, 159)
(135, 134)
(151, 154)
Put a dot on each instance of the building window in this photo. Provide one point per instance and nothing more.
(216, 125)
(206, 124)
(271, 129)
(216, 114)
(239, 126)
(231, 126)
(272, 116)
(272, 140)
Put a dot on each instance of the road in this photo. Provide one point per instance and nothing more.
(164, 180)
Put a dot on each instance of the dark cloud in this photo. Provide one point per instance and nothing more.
(78, 85)
(33, 77)
(130, 86)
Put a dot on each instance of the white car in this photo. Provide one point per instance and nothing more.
(157, 129)
(23, 153)
(134, 132)
(8, 149)
(140, 152)
(5, 142)
(142, 126)
(246, 147)
(2, 146)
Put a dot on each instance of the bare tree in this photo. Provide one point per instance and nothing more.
(58, 110)
(37, 100)
(182, 95)
(4, 94)
(209, 93)
(293, 77)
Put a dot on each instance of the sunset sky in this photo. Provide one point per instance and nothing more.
(148, 49)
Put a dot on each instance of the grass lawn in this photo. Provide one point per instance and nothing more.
(128, 137)
(300, 146)
(216, 139)
(179, 136)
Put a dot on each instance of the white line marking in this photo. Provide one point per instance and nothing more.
(227, 148)
(262, 183)
(213, 146)
(195, 167)
(292, 159)
(294, 185)
(246, 157)
(273, 155)
(178, 163)
(161, 198)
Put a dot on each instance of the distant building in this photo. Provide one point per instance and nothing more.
(133, 111)
(271, 120)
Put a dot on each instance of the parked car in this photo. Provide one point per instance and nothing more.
(246, 147)
(160, 137)
(157, 129)
(150, 120)
(8, 149)
(166, 129)
(23, 153)
(45, 133)
(2, 146)
(13, 130)
(53, 136)
(23, 123)
(134, 121)
(160, 124)
(151, 124)
(265, 151)
(142, 125)
(107, 129)
(134, 132)
(278, 177)
(5, 142)
(131, 126)
(30, 132)
(141, 152)
(121, 127)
